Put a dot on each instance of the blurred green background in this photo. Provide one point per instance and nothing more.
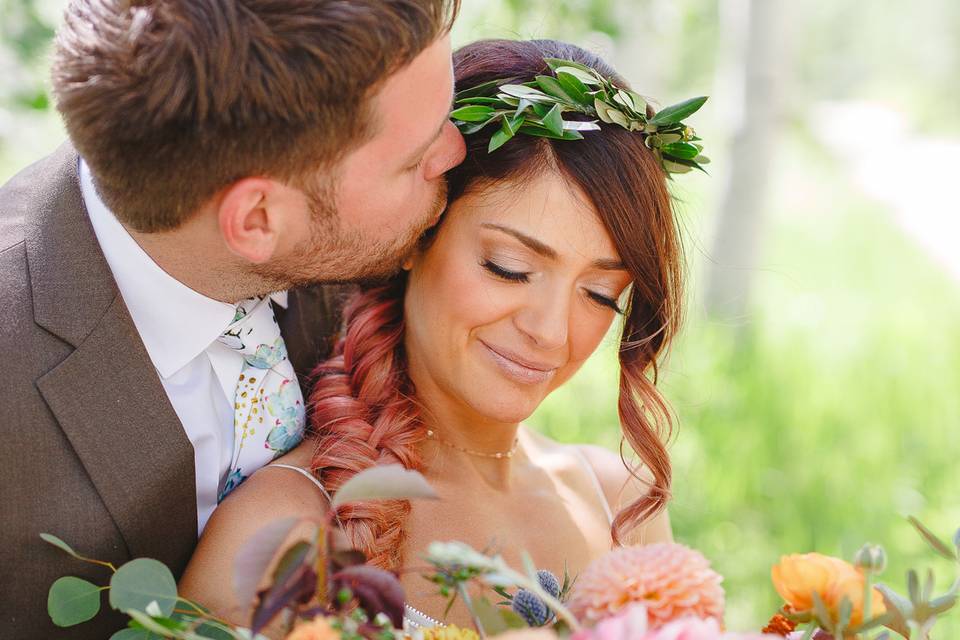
(816, 382)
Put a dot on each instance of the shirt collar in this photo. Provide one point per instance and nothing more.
(175, 322)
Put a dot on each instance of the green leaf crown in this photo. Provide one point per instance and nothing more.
(536, 108)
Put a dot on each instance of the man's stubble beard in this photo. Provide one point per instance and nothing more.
(334, 255)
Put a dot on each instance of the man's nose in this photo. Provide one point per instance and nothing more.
(448, 151)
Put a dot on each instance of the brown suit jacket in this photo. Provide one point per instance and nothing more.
(90, 447)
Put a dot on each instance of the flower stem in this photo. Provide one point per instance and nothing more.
(462, 590)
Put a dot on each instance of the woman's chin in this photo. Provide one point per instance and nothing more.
(507, 406)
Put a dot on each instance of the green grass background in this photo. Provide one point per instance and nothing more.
(829, 419)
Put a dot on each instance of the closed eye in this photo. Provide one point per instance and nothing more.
(506, 274)
(605, 301)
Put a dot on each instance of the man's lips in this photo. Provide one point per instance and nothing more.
(519, 367)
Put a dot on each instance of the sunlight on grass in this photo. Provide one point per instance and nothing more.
(834, 416)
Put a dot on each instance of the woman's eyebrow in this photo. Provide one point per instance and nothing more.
(604, 264)
(532, 243)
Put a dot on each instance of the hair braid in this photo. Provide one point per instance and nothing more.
(363, 415)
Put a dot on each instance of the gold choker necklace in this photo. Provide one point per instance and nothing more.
(483, 454)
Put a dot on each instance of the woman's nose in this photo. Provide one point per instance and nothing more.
(545, 320)
(447, 152)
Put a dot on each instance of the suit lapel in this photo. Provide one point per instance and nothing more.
(106, 394)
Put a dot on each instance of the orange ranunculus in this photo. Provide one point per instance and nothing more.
(317, 629)
(797, 577)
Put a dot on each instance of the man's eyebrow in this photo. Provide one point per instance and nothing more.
(604, 264)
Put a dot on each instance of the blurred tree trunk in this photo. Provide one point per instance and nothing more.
(753, 43)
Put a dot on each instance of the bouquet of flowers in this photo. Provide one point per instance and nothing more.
(661, 591)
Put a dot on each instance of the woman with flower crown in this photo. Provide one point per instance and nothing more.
(551, 235)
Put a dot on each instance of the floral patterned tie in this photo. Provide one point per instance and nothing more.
(268, 406)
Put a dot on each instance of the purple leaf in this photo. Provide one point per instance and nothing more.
(376, 591)
(255, 556)
(294, 582)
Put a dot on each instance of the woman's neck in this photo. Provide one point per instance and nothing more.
(461, 442)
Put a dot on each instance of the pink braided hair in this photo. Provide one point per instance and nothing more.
(363, 414)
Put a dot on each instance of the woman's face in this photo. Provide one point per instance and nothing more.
(518, 288)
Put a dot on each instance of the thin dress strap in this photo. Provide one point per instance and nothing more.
(312, 478)
(413, 618)
(596, 484)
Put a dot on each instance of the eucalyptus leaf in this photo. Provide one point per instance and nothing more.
(553, 121)
(472, 113)
(384, 482)
(72, 600)
(60, 544)
(140, 581)
(677, 112)
(253, 559)
(935, 543)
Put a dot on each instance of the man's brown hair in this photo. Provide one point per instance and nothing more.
(169, 101)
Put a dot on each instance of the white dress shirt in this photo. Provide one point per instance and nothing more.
(179, 328)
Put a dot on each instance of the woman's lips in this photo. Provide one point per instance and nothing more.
(519, 368)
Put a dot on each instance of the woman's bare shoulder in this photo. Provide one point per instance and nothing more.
(622, 488)
(269, 495)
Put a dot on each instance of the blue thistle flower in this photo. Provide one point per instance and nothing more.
(531, 608)
(549, 582)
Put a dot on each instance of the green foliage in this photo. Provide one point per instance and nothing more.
(834, 414)
(72, 601)
(536, 108)
(141, 582)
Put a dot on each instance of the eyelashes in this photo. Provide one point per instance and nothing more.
(523, 276)
(506, 274)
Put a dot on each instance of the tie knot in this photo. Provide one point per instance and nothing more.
(255, 333)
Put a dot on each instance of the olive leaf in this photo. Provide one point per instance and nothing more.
(538, 106)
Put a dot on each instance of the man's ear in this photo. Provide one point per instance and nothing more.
(248, 225)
